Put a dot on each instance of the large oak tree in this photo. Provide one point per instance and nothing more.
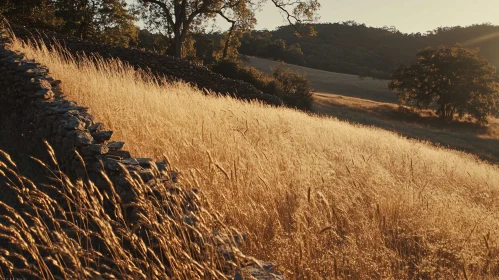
(177, 18)
(455, 79)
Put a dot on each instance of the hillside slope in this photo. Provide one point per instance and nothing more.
(78, 206)
(331, 82)
(354, 48)
(322, 197)
(367, 101)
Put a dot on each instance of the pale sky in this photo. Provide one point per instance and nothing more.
(406, 15)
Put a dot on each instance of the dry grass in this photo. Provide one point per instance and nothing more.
(331, 82)
(322, 197)
(421, 125)
(367, 101)
(74, 230)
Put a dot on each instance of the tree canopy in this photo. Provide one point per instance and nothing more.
(454, 78)
(100, 20)
(177, 18)
(39, 13)
(107, 21)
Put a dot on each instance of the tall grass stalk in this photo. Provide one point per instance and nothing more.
(321, 197)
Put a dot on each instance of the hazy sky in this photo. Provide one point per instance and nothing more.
(406, 15)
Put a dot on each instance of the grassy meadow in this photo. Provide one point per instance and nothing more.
(322, 198)
(331, 82)
(367, 101)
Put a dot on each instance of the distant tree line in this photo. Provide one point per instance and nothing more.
(354, 48)
(347, 47)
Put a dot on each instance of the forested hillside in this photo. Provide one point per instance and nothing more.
(354, 48)
(347, 47)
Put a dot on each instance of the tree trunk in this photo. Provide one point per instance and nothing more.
(443, 109)
(227, 42)
(178, 46)
(447, 112)
(83, 28)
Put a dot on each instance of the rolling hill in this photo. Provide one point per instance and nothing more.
(321, 197)
(355, 48)
(331, 82)
(367, 101)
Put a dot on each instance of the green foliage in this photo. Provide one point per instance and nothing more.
(293, 88)
(297, 89)
(354, 48)
(157, 43)
(107, 21)
(181, 18)
(39, 13)
(235, 70)
(455, 79)
(210, 47)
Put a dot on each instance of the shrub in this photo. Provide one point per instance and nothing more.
(293, 88)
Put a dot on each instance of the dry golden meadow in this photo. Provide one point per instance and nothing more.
(62, 230)
(367, 101)
(321, 197)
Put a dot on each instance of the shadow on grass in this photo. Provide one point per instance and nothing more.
(426, 126)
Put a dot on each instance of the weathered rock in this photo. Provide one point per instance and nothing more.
(55, 83)
(35, 72)
(130, 161)
(115, 146)
(98, 148)
(102, 135)
(96, 127)
(112, 165)
(73, 123)
(146, 175)
(145, 162)
(103, 157)
(27, 66)
(121, 154)
(44, 93)
(162, 166)
(83, 138)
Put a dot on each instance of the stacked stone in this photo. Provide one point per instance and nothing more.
(84, 149)
(162, 65)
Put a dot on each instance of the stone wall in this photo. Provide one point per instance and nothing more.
(83, 147)
(163, 65)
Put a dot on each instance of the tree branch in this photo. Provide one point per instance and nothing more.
(166, 11)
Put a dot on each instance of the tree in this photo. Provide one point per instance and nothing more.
(180, 17)
(30, 13)
(106, 21)
(454, 78)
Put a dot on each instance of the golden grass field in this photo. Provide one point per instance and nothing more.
(63, 230)
(321, 197)
(331, 82)
(367, 101)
